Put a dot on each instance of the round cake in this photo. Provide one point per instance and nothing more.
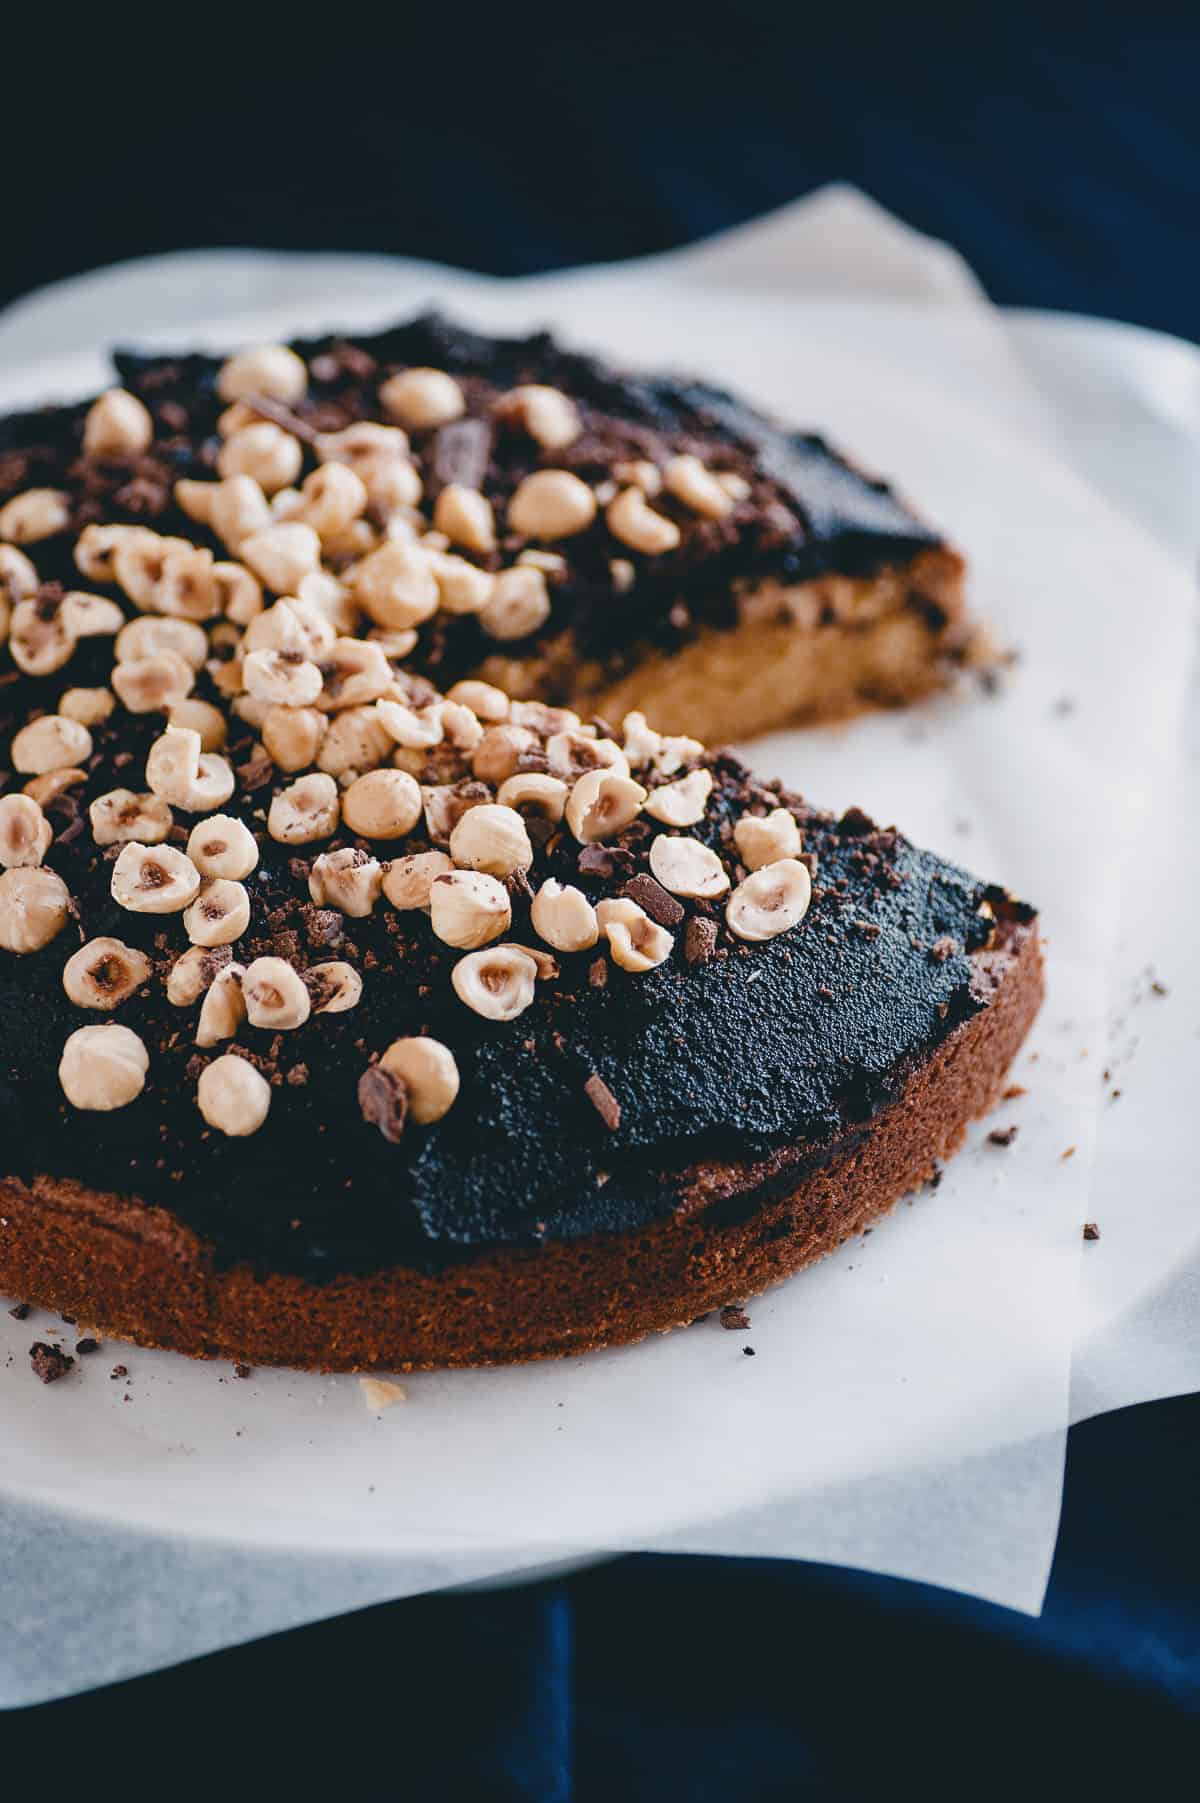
(352, 1015)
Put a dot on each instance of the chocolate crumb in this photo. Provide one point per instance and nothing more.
(1091, 1230)
(242, 1370)
(734, 1317)
(598, 973)
(383, 1098)
(749, 1352)
(1003, 1136)
(699, 940)
(49, 1362)
(1012, 1092)
(83, 1347)
(1157, 988)
(21, 1311)
(1069, 1153)
(119, 1371)
(603, 1101)
(657, 902)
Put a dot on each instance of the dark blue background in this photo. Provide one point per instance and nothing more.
(1062, 156)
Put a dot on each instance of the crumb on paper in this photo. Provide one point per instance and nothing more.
(381, 1393)
(1091, 1230)
(1003, 1136)
(1013, 1091)
(733, 1316)
(749, 1352)
(1069, 1153)
(119, 1371)
(21, 1311)
(240, 1370)
(49, 1362)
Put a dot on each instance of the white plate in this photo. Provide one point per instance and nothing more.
(948, 1332)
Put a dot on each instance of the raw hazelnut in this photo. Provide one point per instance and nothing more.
(383, 804)
(293, 735)
(546, 414)
(519, 604)
(469, 908)
(365, 442)
(193, 972)
(333, 988)
(349, 880)
(639, 473)
(735, 486)
(603, 803)
(631, 519)
(637, 943)
(460, 727)
(422, 398)
(498, 983)
(223, 1009)
(213, 784)
(499, 752)
(281, 678)
(332, 498)
(304, 811)
(275, 995)
(357, 740)
(465, 516)
(429, 1073)
(407, 881)
(354, 672)
(681, 803)
(40, 644)
(770, 901)
(18, 577)
(281, 556)
(147, 685)
(47, 788)
(220, 913)
(485, 701)
(38, 513)
(492, 838)
(152, 634)
(199, 717)
(686, 867)
(239, 594)
(91, 707)
(397, 586)
(688, 480)
(232, 1096)
(532, 793)
(564, 917)
(551, 504)
(445, 806)
(51, 743)
(90, 616)
(103, 1068)
(121, 816)
(104, 973)
(173, 765)
(238, 510)
(569, 754)
(765, 838)
(264, 452)
(25, 833)
(223, 847)
(187, 588)
(415, 729)
(34, 906)
(154, 880)
(271, 371)
(117, 426)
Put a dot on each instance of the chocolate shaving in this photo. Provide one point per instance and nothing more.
(279, 415)
(383, 1098)
(699, 940)
(657, 902)
(603, 1101)
(460, 453)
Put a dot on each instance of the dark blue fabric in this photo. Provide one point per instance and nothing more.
(1060, 151)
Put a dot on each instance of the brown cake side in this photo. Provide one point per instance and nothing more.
(141, 1275)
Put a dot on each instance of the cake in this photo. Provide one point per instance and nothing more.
(358, 1011)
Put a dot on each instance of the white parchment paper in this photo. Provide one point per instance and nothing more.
(906, 1405)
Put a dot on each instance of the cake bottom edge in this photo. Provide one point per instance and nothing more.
(134, 1273)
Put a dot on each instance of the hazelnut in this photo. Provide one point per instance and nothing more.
(333, 988)
(193, 972)
(104, 973)
(282, 555)
(349, 880)
(281, 678)
(121, 816)
(564, 917)
(238, 511)
(397, 586)
(415, 729)
(223, 847)
(631, 519)
(354, 671)
(603, 803)
(551, 504)
(232, 1096)
(224, 1008)
(546, 414)
(38, 513)
(485, 701)
(770, 901)
(304, 811)
(492, 838)
(103, 1068)
(532, 793)
(394, 645)
(622, 574)
(152, 634)
(134, 561)
(293, 735)
(445, 806)
(460, 727)
(40, 644)
(429, 1073)
(51, 743)
(173, 765)
(569, 754)
(497, 983)
(365, 442)
(199, 717)
(117, 427)
(686, 867)
(154, 880)
(275, 995)
(466, 517)
(688, 480)
(765, 838)
(264, 452)
(271, 371)
(90, 616)
(147, 685)
(47, 788)
(735, 486)
(91, 707)
(639, 473)
(220, 913)
(519, 604)
(499, 752)
(187, 588)
(34, 905)
(637, 943)
(383, 804)
(357, 740)
(422, 398)
(239, 594)
(18, 577)
(25, 833)
(550, 563)
(469, 908)
(96, 549)
(195, 499)
(407, 881)
(681, 803)
(332, 498)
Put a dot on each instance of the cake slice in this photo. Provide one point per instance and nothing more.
(678, 553)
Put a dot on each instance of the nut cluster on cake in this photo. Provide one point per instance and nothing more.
(290, 615)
